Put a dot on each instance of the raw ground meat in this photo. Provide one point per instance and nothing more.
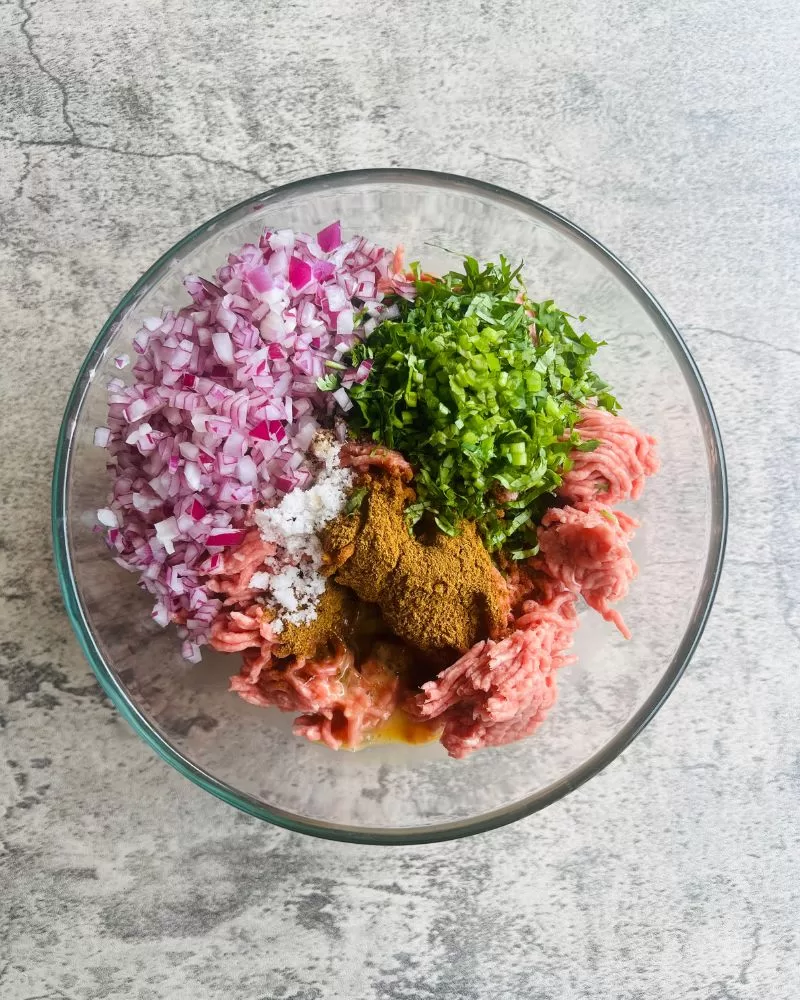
(364, 455)
(586, 551)
(240, 628)
(233, 577)
(340, 704)
(616, 470)
(369, 697)
(499, 692)
(299, 685)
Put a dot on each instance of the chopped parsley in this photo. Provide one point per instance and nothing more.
(484, 411)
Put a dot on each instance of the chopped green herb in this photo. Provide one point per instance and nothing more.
(327, 383)
(483, 409)
(355, 500)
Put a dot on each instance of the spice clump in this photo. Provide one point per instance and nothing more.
(329, 628)
(437, 592)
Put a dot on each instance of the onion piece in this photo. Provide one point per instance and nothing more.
(223, 346)
(343, 399)
(330, 237)
(107, 517)
(166, 532)
(226, 538)
(300, 273)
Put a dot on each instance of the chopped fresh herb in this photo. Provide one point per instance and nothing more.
(480, 388)
(355, 500)
(517, 554)
(327, 383)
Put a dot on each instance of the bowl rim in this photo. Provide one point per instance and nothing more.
(434, 833)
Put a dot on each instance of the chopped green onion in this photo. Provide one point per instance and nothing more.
(480, 388)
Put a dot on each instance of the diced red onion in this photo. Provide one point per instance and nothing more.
(344, 322)
(283, 239)
(223, 346)
(330, 237)
(160, 615)
(107, 517)
(144, 503)
(166, 532)
(335, 298)
(191, 472)
(284, 483)
(323, 269)
(190, 651)
(343, 399)
(259, 278)
(185, 457)
(226, 538)
(140, 341)
(300, 273)
(246, 469)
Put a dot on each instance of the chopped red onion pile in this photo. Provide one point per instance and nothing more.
(224, 406)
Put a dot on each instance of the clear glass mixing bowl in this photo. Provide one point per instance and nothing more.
(392, 793)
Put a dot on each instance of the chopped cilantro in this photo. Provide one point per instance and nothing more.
(484, 410)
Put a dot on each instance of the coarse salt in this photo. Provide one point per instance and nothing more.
(293, 580)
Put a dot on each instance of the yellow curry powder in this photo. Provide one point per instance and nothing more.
(438, 593)
(335, 613)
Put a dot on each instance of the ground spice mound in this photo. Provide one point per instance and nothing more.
(335, 612)
(345, 621)
(438, 593)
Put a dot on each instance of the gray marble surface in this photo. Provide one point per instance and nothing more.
(667, 129)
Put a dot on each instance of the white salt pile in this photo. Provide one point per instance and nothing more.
(293, 581)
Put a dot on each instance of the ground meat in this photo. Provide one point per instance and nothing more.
(365, 455)
(369, 697)
(586, 551)
(616, 469)
(296, 685)
(233, 576)
(341, 704)
(237, 630)
(525, 583)
(499, 692)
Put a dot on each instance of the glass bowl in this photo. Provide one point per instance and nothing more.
(392, 793)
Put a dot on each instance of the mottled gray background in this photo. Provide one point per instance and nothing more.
(668, 129)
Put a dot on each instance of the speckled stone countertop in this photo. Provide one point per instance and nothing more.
(670, 131)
